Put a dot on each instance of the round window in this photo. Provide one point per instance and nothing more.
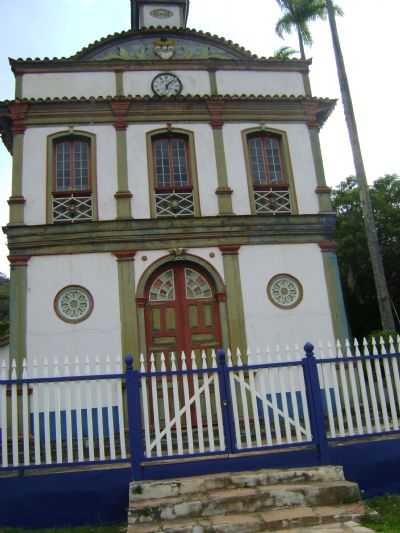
(285, 291)
(73, 304)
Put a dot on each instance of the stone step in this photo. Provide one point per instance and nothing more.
(203, 484)
(273, 520)
(244, 500)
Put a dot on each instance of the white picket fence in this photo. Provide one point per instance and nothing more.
(62, 420)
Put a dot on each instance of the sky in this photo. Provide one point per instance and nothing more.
(368, 32)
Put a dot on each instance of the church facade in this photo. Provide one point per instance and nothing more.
(168, 194)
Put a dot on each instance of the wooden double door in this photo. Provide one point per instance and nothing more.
(181, 310)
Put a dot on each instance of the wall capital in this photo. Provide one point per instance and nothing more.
(220, 296)
(216, 109)
(328, 246)
(18, 111)
(141, 302)
(323, 189)
(120, 109)
(229, 249)
(311, 111)
(128, 255)
(18, 260)
(16, 200)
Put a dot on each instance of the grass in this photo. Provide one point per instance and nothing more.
(119, 528)
(387, 519)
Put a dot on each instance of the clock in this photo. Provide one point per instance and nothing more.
(166, 84)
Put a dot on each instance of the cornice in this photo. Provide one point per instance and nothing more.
(149, 234)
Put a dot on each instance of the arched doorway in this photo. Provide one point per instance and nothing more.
(181, 310)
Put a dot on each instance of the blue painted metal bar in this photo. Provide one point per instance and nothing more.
(266, 365)
(64, 465)
(315, 403)
(364, 436)
(133, 387)
(346, 359)
(32, 381)
(226, 402)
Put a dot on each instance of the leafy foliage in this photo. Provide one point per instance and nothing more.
(384, 514)
(354, 262)
(285, 52)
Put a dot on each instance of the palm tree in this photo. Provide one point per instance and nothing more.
(384, 301)
(284, 52)
(297, 14)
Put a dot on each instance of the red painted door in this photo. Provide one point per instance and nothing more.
(181, 310)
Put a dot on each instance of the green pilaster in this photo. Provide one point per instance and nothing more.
(123, 195)
(127, 303)
(16, 200)
(223, 191)
(18, 86)
(119, 83)
(213, 82)
(234, 298)
(322, 190)
(18, 302)
(335, 294)
(307, 84)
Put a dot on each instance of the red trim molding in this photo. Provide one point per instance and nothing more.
(328, 246)
(141, 302)
(311, 110)
(120, 109)
(215, 109)
(223, 190)
(220, 297)
(229, 249)
(18, 111)
(18, 260)
(14, 200)
(128, 255)
(323, 189)
(123, 194)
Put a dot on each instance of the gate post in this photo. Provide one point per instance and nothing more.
(226, 401)
(134, 418)
(315, 404)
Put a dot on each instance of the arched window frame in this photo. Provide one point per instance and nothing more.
(88, 196)
(286, 186)
(192, 187)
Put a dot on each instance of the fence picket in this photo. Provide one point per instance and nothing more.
(120, 409)
(186, 397)
(25, 414)
(68, 412)
(323, 376)
(177, 415)
(197, 403)
(89, 409)
(145, 408)
(253, 395)
(243, 397)
(154, 402)
(57, 413)
(99, 410)
(345, 389)
(46, 412)
(267, 424)
(292, 395)
(354, 389)
(270, 376)
(166, 406)
(232, 383)
(109, 410)
(364, 395)
(371, 386)
(381, 391)
(395, 369)
(206, 384)
(78, 411)
(389, 387)
(3, 416)
(14, 414)
(282, 387)
(217, 397)
(35, 406)
(304, 403)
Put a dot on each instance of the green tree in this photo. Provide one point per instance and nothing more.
(297, 14)
(380, 282)
(354, 259)
(284, 52)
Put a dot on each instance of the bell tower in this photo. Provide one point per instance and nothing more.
(165, 13)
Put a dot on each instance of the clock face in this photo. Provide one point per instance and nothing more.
(166, 84)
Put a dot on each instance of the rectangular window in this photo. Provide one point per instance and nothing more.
(170, 162)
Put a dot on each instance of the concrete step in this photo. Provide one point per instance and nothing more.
(244, 500)
(273, 520)
(203, 484)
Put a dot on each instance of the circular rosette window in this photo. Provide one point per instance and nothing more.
(73, 304)
(285, 291)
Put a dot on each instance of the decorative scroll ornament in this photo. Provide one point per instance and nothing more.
(165, 48)
(73, 304)
(161, 13)
(285, 291)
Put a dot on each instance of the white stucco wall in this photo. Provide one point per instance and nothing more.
(300, 155)
(49, 336)
(68, 84)
(268, 325)
(138, 166)
(250, 82)
(193, 81)
(34, 174)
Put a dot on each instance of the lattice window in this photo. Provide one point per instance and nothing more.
(196, 285)
(272, 202)
(72, 208)
(174, 204)
(170, 163)
(265, 160)
(163, 288)
(72, 166)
